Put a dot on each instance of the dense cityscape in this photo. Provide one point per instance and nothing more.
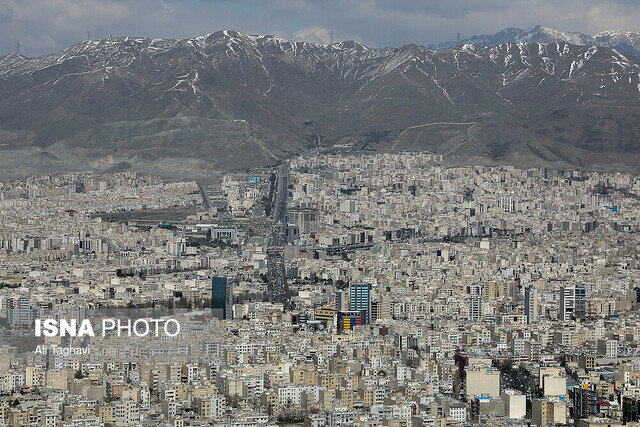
(332, 290)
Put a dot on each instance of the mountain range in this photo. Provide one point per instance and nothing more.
(228, 100)
(622, 41)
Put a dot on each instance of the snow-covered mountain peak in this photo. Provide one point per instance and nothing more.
(623, 40)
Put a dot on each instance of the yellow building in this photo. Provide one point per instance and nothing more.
(20, 418)
(271, 401)
(107, 413)
(325, 314)
(173, 373)
(203, 391)
(180, 391)
(330, 380)
(35, 377)
(57, 380)
(346, 397)
(548, 412)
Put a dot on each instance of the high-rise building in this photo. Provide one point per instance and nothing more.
(475, 308)
(376, 311)
(630, 409)
(19, 312)
(515, 404)
(507, 203)
(585, 401)
(608, 348)
(342, 301)
(572, 302)
(494, 291)
(482, 381)
(531, 303)
(360, 300)
(305, 218)
(220, 300)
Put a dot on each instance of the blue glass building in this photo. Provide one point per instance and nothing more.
(360, 300)
(219, 297)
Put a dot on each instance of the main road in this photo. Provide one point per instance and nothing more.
(205, 198)
(282, 188)
(277, 286)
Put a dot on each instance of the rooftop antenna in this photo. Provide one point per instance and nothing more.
(458, 38)
(88, 35)
(331, 37)
(18, 48)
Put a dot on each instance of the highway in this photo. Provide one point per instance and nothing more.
(205, 198)
(280, 196)
(275, 259)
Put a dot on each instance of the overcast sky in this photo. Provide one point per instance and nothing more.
(45, 26)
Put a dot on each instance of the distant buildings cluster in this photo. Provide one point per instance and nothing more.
(418, 294)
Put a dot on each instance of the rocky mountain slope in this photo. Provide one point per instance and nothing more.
(230, 100)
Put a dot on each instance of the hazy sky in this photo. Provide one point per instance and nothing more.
(44, 26)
